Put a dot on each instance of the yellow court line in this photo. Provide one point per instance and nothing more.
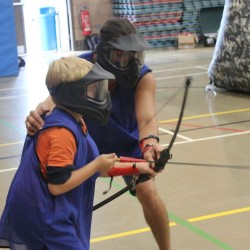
(11, 143)
(132, 232)
(216, 215)
(206, 115)
(147, 229)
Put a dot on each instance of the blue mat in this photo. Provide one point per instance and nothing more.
(8, 42)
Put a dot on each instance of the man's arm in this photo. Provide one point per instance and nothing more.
(34, 121)
(145, 108)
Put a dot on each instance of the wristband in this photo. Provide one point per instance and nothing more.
(148, 137)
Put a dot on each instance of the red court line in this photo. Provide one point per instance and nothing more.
(200, 126)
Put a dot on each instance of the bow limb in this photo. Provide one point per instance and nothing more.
(165, 154)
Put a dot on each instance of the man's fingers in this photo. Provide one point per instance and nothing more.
(43, 111)
(31, 131)
(34, 121)
(152, 174)
(32, 125)
(36, 117)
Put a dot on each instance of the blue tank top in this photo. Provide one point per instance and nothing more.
(32, 216)
(120, 135)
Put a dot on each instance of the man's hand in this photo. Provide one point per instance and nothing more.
(145, 168)
(153, 153)
(34, 121)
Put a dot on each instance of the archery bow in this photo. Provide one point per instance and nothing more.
(160, 163)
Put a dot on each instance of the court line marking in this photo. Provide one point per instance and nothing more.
(177, 69)
(176, 119)
(11, 126)
(202, 67)
(178, 135)
(210, 138)
(172, 77)
(188, 140)
(195, 127)
(155, 71)
(171, 224)
(14, 88)
(11, 143)
(13, 96)
(7, 170)
(201, 233)
(205, 115)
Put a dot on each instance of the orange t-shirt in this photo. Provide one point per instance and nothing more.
(55, 147)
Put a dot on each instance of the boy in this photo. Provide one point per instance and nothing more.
(49, 205)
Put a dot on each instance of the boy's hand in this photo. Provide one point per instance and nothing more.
(104, 162)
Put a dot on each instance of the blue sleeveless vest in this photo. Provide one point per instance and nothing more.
(34, 218)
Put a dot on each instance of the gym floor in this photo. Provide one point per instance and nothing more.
(205, 185)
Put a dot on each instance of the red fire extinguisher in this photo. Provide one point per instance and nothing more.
(85, 22)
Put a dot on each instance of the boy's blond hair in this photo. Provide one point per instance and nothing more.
(67, 69)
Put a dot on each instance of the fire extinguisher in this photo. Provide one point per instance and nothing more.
(85, 22)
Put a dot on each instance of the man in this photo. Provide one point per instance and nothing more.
(132, 128)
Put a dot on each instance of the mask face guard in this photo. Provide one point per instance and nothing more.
(121, 59)
(88, 96)
(124, 57)
(96, 92)
(119, 52)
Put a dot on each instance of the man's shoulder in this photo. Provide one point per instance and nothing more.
(87, 56)
(144, 70)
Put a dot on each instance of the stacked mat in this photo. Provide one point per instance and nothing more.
(158, 20)
(191, 14)
(230, 65)
(161, 21)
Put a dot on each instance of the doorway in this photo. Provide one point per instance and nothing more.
(32, 24)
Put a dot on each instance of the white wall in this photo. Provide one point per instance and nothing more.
(32, 25)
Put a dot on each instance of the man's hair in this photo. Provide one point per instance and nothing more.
(67, 69)
(116, 27)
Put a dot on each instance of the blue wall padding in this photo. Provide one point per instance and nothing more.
(8, 42)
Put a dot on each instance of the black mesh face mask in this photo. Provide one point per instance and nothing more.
(123, 57)
(89, 96)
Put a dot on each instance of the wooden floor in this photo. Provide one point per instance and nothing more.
(205, 186)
